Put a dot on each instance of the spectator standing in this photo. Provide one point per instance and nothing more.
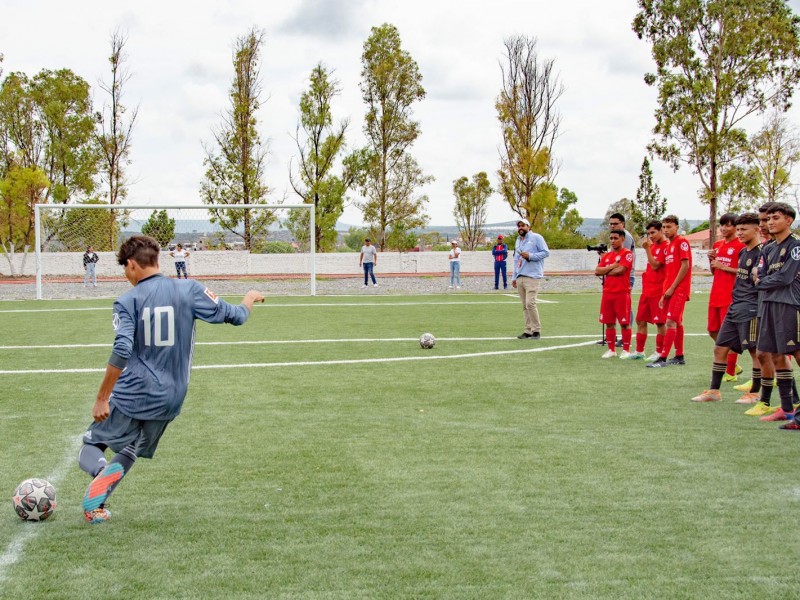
(529, 254)
(500, 254)
(455, 264)
(367, 260)
(90, 259)
(180, 256)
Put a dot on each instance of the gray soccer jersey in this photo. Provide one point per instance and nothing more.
(155, 324)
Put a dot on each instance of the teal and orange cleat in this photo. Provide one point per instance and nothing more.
(98, 515)
(97, 492)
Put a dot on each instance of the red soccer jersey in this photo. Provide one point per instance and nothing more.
(677, 251)
(722, 286)
(617, 283)
(652, 280)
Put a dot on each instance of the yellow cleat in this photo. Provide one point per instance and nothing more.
(760, 410)
(744, 387)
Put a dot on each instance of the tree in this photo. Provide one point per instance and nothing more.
(390, 84)
(739, 188)
(470, 207)
(717, 62)
(235, 169)
(115, 128)
(529, 121)
(318, 152)
(354, 238)
(20, 190)
(401, 239)
(160, 227)
(562, 226)
(774, 152)
(650, 205)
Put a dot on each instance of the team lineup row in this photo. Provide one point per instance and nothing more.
(754, 304)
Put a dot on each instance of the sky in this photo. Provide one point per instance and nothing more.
(179, 55)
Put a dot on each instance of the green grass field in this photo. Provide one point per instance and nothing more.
(487, 472)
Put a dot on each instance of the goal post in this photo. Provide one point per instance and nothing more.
(225, 242)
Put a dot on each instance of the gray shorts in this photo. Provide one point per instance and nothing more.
(119, 430)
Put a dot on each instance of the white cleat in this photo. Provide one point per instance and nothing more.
(609, 354)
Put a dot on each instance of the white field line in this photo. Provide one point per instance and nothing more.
(322, 341)
(325, 362)
(13, 551)
(292, 305)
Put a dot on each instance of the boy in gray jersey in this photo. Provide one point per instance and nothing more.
(739, 329)
(148, 373)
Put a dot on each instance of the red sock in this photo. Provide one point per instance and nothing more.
(731, 368)
(626, 339)
(641, 341)
(611, 338)
(659, 342)
(679, 341)
(669, 339)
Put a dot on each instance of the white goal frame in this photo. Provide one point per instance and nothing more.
(38, 208)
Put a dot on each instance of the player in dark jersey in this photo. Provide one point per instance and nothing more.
(739, 328)
(677, 292)
(615, 306)
(722, 261)
(779, 326)
(148, 373)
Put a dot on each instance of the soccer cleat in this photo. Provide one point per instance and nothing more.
(748, 398)
(744, 387)
(729, 378)
(98, 515)
(676, 360)
(658, 363)
(778, 415)
(625, 355)
(738, 369)
(708, 396)
(790, 426)
(634, 356)
(653, 357)
(97, 492)
(760, 409)
(609, 354)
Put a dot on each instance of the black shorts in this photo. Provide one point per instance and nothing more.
(779, 328)
(119, 430)
(738, 336)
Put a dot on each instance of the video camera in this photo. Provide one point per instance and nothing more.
(600, 248)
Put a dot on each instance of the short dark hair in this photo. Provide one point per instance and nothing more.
(366, 239)
(617, 233)
(670, 219)
(783, 208)
(747, 218)
(728, 219)
(618, 217)
(764, 208)
(653, 224)
(141, 248)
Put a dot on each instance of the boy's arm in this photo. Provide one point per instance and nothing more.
(100, 411)
(783, 276)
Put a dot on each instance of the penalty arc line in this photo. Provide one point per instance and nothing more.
(13, 551)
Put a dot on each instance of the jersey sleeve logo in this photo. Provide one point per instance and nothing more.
(115, 321)
(796, 253)
(211, 295)
(684, 246)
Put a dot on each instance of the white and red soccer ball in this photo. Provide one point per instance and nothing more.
(35, 500)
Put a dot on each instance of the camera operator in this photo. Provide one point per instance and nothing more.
(615, 306)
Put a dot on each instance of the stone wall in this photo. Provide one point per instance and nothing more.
(59, 264)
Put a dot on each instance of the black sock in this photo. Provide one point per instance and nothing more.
(766, 390)
(785, 380)
(756, 387)
(717, 371)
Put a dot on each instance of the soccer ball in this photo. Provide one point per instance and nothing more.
(35, 500)
(427, 341)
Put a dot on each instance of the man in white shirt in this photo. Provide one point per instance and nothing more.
(367, 260)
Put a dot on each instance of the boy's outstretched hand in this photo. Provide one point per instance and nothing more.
(251, 298)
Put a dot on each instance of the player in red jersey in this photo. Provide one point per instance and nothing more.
(722, 258)
(615, 268)
(677, 291)
(652, 289)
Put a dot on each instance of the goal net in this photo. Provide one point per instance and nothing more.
(233, 248)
